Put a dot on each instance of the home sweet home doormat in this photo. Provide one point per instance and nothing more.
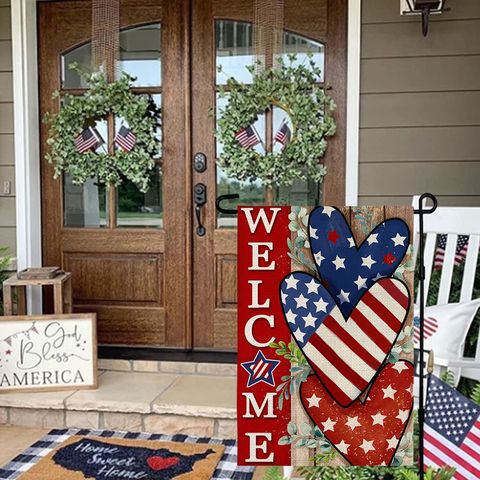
(325, 347)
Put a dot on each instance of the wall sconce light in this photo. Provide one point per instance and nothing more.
(423, 8)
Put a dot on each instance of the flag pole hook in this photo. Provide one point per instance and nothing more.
(421, 211)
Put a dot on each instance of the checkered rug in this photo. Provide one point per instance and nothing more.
(227, 467)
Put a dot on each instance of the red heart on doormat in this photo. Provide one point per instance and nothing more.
(161, 463)
(366, 433)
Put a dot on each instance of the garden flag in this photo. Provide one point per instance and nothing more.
(460, 250)
(247, 137)
(452, 430)
(325, 336)
(125, 139)
(89, 139)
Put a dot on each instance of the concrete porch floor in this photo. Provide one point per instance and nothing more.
(14, 440)
(163, 397)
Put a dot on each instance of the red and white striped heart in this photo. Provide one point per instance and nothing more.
(345, 354)
(366, 433)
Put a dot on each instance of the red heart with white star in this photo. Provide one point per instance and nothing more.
(366, 433)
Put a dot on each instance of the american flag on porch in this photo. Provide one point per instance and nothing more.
(247, 137)
(460, 250)
(452, 430)
(89, 139)
(283, 133)
(125, 139)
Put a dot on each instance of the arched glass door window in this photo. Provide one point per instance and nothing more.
(90, 205)
(234, 51)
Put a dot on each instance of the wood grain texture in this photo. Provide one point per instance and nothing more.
(457, 37)
(401, 179)
(425, 74)
(428, 144)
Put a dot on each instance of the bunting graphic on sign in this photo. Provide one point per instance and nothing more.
(325, 336)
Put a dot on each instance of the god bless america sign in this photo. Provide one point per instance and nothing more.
(325, 336)
(49, 352)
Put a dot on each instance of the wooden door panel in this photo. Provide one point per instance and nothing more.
(214, 254)
(134, 278)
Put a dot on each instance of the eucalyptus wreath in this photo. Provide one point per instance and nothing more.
(295, 89)
(101, 99)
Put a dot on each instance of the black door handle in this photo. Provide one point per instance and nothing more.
(200, 199)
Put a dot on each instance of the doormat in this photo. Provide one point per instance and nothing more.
(74, 454)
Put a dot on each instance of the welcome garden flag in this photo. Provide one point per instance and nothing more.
(325, 347)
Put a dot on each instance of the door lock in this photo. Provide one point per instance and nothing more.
(200, 162)
(200, 199)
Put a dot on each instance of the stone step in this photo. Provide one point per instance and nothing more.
(150, 401)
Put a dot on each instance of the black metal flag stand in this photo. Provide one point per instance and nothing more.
(421, 211)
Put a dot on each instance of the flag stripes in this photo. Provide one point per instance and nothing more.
(430, 326)
(87, 140)
(460, 250)
(247, 137)
(452, 430)
(125, 139)
(338, 352)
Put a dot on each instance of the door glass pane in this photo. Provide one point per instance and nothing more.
(140, 54)
(83, 57)
(301, 47)
(234, 50)
(137, 209)
(85, 205)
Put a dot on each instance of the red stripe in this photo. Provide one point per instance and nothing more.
(381, 310)
(471, 436)
(471, 452)
(456, 458)
(346, 338)
(428, 329)
(440, 463)
(335, 360)
(391, 287)
(364, 325)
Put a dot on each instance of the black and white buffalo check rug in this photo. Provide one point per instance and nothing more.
(226, 468)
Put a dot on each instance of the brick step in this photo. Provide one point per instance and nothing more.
(151, 401)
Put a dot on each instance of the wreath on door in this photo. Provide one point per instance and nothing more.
(295, 89)
(76, 148)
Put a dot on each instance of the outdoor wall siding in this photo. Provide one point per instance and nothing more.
(7, 171)
(420, 105)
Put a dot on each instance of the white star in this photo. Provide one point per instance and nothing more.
(368, 261)
(328, 211)
(351, 242)
(367, 445)
(342, 446)
(318, 258)
(372, 238)
(392, 442)
(398, 240)
(378, 419)
(284, 297)
(309, 320)
(313, 233)
(361, 282)
(403, 415)
(329, 424)
(313, 401)
(389, 392)
(343, 297)
(339, 262)
(321, 305)
(353, 423)
(301, 301)
(299, 335)
(291, 282)
(291, 316)
(312, 286)
(400, 367)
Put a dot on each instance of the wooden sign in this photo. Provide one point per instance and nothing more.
(48, 352)
(325, 336)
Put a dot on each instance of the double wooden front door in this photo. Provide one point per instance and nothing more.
(137, 259)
